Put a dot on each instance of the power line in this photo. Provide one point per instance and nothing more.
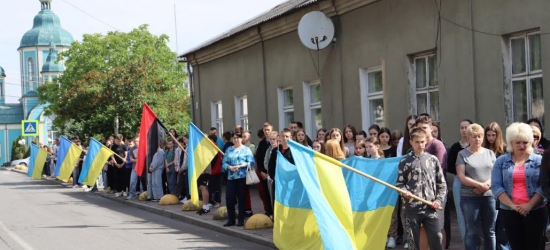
(479, 31)
(90, 15)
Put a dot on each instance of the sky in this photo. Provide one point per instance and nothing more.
(197, 22)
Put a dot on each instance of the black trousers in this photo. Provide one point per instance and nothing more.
(164, 182)
(525, 232)
(215, 188)
(119, 179)
(111, 176)
(182, 185)
(447, 224)
(236, 188)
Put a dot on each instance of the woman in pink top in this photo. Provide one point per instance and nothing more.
(515, 182)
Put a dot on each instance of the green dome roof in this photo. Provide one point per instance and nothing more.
(2, 72)
(46, 27)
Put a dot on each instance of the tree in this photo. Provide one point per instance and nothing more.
(18, 151)
(109, 77)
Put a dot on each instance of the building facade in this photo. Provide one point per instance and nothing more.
(389, 59)
(38, 51)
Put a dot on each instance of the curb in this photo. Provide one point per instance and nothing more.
(180, 217)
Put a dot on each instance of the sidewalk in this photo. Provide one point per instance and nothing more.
(260, 236)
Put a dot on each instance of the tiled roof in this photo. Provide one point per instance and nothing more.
(11, 113)
(275, 12)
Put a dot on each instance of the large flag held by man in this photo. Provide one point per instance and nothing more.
(36, 162)
(371, 202)
(200, 153)
(325, 187)
(97, 156)
(151, 134)
(67, 157)
(321, 206)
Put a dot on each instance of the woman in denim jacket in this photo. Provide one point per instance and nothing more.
(515, 182)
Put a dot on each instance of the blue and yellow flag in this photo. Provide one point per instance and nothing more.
(371, 202)
(67, 157)
(200, 153)
(322, 179)
(36, 162)
(96, 158)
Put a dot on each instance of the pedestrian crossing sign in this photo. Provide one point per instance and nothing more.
(29, 127)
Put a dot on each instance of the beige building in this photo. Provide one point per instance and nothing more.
(388, 60)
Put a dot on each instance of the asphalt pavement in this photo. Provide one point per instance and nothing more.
(41, 214)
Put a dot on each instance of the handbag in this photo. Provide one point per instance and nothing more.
(251, 176)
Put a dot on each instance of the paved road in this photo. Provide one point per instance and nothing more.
(40, 214)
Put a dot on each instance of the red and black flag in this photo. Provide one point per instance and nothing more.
(151, 135)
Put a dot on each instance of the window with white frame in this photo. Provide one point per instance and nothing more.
(312, 105)
(427, 88)
(241, 108)
(217, 116)
(526, 77)
(286, 106)
(372, 97)
(30, 68)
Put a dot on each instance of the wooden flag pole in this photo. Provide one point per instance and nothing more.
(375, 179)
(177, 142)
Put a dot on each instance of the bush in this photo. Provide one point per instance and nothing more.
(18, 151)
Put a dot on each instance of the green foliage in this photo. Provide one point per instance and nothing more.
(18, 151)
(113, 75)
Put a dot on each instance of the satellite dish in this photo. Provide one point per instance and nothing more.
(316, 30)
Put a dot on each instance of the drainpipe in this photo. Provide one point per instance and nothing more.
(191, 90)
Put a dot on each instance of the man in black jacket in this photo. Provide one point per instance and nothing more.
(259, 156)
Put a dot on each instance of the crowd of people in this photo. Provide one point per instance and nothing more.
(499, 188)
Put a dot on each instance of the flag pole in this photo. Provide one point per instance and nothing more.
(333, 161)
(177, 142)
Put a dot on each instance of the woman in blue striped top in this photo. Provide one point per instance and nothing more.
(236, 160)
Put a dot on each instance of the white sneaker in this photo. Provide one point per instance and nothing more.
(184, 200)
(124, 194)
(391, 243)
(406, 246)
(117, 194)
(87, 189)
(85, 186)
(75, 186)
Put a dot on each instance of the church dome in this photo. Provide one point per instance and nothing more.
(46, 27)
(50, 65)
(2, 72)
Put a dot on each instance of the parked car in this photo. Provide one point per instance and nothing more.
(24, 162)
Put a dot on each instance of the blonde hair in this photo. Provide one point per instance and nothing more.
(474, 129)
(334, 150)
(519, 131)
(536, 130)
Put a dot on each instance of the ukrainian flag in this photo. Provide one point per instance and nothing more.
(67, 157)
(96, 158)
(372, 203)
(36, 162)
(200, 153)
(327, 198)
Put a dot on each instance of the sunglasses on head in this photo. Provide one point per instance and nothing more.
(536, 137)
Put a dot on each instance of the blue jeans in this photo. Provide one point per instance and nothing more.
(76, 174)
(479, 210)
(172, 179)
(133, 184)
(459, 215)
